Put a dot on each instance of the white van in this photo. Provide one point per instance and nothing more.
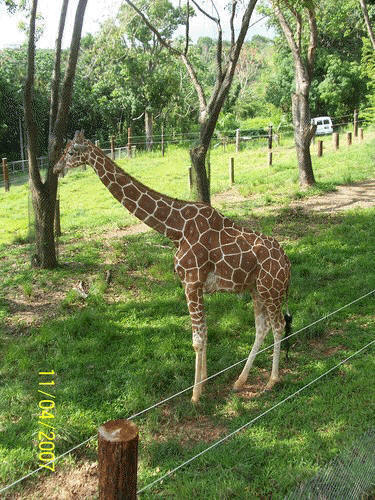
(323, 125)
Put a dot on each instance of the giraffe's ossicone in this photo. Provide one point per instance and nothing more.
(213, 254)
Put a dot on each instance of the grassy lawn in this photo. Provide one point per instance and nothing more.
(128, 345)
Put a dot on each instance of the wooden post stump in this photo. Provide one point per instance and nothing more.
(320, 148)
(336, 140)
(270, 138)
(190, 174)
(117, 460)
(129, 142)
(231, 171)
(113, 147)
(6, 174)
(57, 218)
(355, 123)
(238, 140)
(349, 138)
(361, 134)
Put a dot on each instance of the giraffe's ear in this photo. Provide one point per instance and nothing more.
(79, 135)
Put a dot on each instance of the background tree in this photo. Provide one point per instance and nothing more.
(294, 19)
(367, 21)
(209, 108)
(44, 191)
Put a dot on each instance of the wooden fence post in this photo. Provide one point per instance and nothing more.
(355, 123)
(270, 137)
(231, 171)
(6, 174)
(320, 148)
(162, 140)
(349, 138)
(57, 218)
(361, 134)
(238, 140)
(129, 142)
(336, 140)
(190, 176)
(117, 460)
(112, 147)
(97, 143)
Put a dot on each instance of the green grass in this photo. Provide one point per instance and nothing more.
(87, 208)
(129, 344)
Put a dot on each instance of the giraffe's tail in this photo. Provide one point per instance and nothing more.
(288, 330)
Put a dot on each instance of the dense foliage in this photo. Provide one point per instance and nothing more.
(124, 74)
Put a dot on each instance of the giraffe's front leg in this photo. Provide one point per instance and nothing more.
(194, 297)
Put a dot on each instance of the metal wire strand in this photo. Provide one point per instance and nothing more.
(225, 438)
(191, 387)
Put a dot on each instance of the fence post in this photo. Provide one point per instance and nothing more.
(231, 171)
(129, 142)
(97, 143)
(355, 124)
(190, 175)
(270, 137)
(361, 134)
(349, 138)
(112, 140)
(117, 460)
(320, 148)
(162, 140)
(57, 218)
(336, 140)
(238, 140)
(6, 174)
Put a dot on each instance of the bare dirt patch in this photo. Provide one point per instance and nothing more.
(73, 482)
(357, 195)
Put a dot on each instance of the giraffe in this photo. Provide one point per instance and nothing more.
(213, 254)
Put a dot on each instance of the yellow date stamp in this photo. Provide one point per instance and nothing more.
(47, 408)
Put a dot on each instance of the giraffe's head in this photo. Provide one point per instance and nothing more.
(75, 154)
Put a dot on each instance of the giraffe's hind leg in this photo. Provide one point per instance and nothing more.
(194, 297)
(278, 325)
(262, 327)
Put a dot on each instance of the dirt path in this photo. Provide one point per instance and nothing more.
(358, 195)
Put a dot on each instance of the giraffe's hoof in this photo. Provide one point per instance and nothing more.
(271, 383)
(238, 386)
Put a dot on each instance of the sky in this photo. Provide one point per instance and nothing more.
(96, 12)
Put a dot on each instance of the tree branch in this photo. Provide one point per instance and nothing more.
(57, 69)
(31, 128)
(214, 19)
(367, 21)
(233, 35)
(154, 30)
(313, 42)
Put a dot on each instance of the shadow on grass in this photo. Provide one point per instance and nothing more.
(114, 359)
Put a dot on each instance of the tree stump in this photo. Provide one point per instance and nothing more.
(117, 460)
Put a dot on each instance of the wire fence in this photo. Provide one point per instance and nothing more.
(275, 140)
(349, 475)
(209, 378)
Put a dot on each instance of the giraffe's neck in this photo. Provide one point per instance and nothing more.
(158, 211)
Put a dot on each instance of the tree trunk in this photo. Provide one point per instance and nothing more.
(367, 21)
(303, 133)
(44, 213)
(148, 130)
(201, 188)
(44, 193)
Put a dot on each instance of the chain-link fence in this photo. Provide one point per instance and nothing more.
(350, 475)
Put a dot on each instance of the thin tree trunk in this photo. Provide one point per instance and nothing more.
(148, 130)
(44, 193)
(201, 188)
(303, 133)
(367, 21)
